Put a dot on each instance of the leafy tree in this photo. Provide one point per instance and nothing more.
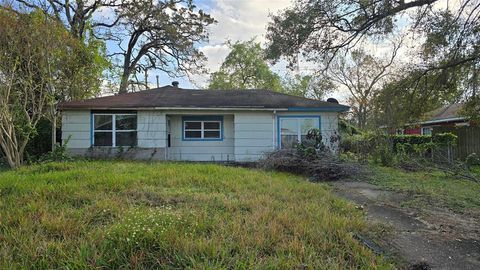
(150, 34)
(75, 71)
(408, 98)
(323, 30)
(297, 85)
(41, 64)
(244, 68)
(23, 83)
(308, 86)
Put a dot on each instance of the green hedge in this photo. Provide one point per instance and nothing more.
(410, 139)
(369, 142)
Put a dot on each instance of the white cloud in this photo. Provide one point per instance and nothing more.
(237, 20)
(242, 20)
(215, 55)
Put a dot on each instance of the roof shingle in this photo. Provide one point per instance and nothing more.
(172, 97)
(446, 112)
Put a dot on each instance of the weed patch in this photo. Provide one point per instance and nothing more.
(430, 187)
(133, 215)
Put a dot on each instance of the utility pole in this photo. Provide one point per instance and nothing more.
(146, 79)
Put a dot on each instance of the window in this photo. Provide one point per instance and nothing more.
(426, 131)
(294, 129)
(202, 128)
(114, 129)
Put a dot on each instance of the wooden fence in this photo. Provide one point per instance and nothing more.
(468, 140)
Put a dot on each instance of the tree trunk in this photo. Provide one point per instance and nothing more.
(53, 115)
(54, 133)
(14, 158)
(361, 117)
(124, 82)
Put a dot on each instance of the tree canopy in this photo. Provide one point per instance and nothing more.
(41, 64)
(245, 67)
(160, 34)
(446, 33)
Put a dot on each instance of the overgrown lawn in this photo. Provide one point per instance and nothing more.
(431, 187)
(116, 215)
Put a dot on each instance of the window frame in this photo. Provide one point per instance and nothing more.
(202, 120)
(423, 132)
(299, 132)
(114, 130)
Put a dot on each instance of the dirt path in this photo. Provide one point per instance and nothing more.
(422, 238)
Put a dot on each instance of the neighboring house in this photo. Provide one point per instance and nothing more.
(170, 123)
(448, 116)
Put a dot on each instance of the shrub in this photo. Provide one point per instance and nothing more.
(360, 145)
(346, 128)
(445, 139)
(472, 160)
(41, 142)
(389, 149)
(383, 155)
(372, 145)
(313, 143)
(410, 139)
(58, 155)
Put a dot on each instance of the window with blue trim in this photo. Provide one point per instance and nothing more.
(293, 130)
(198, 128)
(114, 129)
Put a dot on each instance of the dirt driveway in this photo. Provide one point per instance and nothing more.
(421, 237)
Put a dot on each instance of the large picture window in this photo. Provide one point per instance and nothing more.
(294, 129)
(202, 128)
(118, 129)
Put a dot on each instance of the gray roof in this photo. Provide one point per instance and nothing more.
(173, 97)
(451, 111)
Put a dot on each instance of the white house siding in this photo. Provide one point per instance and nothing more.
(201, 150)
(151, 135)
(247, 135)
(76, 128)
(254, 135)
(328, 126)
(151, 129)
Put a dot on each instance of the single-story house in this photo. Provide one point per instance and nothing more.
(171, 123)
(447, 116)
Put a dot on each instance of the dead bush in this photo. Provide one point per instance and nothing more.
(319, 167)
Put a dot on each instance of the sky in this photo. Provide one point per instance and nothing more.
(242, 20)
(237, 20)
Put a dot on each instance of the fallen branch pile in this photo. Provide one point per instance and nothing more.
(319, 167)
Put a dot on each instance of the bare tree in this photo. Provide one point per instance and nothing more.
(362, 75)
(76, 15)
(446, 33)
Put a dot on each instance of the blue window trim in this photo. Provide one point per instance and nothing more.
(279, 117)
(202, 118)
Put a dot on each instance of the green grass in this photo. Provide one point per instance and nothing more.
(114, 215)
(433, 188)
